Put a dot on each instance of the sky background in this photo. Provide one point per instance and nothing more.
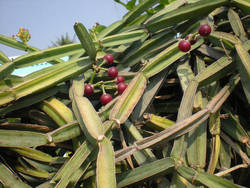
(47, 20)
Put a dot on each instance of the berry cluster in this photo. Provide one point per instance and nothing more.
(185, 44)
(112, 73)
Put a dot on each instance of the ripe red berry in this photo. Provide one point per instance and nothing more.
(119, 79)
(192, 41)
(184, 45)
(88, 89)
(204, 30)
(109, 59)
(121, 87)
(112, 72)
(106, 98)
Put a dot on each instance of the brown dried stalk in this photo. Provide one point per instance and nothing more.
(225, 172)
(188, 123)
(235, 147)
(7, 125)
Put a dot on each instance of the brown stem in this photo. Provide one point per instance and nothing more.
(188, 124)
(223, 46)
(36, 127)
(224, 172)
(235, 147)
(124, 145)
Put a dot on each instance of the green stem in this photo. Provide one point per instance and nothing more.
(103, 89)
(193, 36)
(112, 87)
(92, 77)
(110, 81)
(103, 62)
(104, 69)
(103, 83)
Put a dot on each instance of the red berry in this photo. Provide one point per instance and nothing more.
(192, 41)
(88, 89)
(119, 79)
(106, 98)
(112, 72)
(204, 30)
(109, 59)
(184, 45)
(121, 87)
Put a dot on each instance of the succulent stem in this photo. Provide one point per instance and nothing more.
(103, 89)
(92, 76)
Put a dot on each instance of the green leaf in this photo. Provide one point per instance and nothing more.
(215, 71)
(58, 111)
(6, 70)
(34, 172)
(139, 9)
(130, 97)
(47, 55)
(152, 88)
(232, 126)
(189, 11)
(57, 74)
(236, 24)
(205, 178)
(33, 99)
(166, 58)
(3, 58)
(162, 166)
(105, 170)
(9, 41)
(243, 5)
(12, 138)
(123, 38)
(144, 49)
(88, 119)
(33, 154)
(74, 163)
(8, 179)
(66, 132)
(242, 60)
(85, 40)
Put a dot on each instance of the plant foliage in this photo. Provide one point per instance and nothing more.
(182, 120)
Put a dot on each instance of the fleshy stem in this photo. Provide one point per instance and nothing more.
(103, 62)
(223, 46)
(112, 87)
(94, 73)
(99, 67)
(104, 69)
(92, 76)
(103, 89)
(103, 83)
(193, 36)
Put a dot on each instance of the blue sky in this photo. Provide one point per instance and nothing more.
(49, 19)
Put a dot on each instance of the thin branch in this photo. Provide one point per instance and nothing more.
(235, 147)
(124, 145)
(36, 127)
(224, 172)
(181, 127)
